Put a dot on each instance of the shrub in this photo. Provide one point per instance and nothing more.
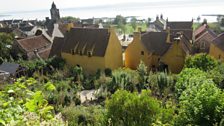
(132, 109)
(201, 61)
(201, 105)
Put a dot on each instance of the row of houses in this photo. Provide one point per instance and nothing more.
(164, 46)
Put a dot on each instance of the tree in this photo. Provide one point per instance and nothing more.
(132, 109)
(204, 21)
(6, 41)
(222, 22)
(134, 23)
(120, 21)
(201, 105)
(198, 19)
(203, 62)
(70, 19)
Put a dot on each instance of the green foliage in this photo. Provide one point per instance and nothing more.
(132, 109)
(6, 42)
(189, 77)
(108, 72)
(201, 105)
(18, 102)
(217, 75)
(70, 19)
(201, 61)
(123, 79)
(83, 116)
(134, 23)
(143, 75)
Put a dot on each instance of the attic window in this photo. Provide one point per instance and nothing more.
(142, 52)
(80, 52)
(219, 56)
(90, 54)
(72, 51)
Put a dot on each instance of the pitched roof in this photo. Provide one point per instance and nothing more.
(9, 67)
(155, 42)
(6, 30)
(219, 41)
(27, 28)
(56, 47)
(33, 43)
(87, 39)
(180, 25)
(200, 30)
(44, 54)
(208, 35)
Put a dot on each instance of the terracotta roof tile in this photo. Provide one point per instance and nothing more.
(33, 43)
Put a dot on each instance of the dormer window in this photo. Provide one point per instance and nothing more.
(80, 52)
(72, 51)
(142, 52)
(89, 53)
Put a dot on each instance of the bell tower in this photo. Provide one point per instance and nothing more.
(55, 15)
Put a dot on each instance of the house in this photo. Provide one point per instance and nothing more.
(174, 27)
(157, 51)
(174, 58)
(33, 47)
(217, 47)
(92, 49)
(15, 70)
(157, 25)
(203, 39)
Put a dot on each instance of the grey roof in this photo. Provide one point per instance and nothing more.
(56, 47)
(219, 41)
(27, 28)
(87, 39)
(155, 42)
(180, 25)
(9, 67)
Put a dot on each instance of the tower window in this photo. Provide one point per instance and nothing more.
(142, 52)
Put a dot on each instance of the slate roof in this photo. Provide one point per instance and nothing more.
(33, 43)
(44, 54)
(219, 41)
(27, 28)
(180, 25)
(9, 67)
(56, 47)
(155, 42)
(6, 30)
(86, 39)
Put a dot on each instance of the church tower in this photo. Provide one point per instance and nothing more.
(55, 15)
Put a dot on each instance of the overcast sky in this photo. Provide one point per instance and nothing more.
(85, 8)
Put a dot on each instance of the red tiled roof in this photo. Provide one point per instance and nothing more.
(33, 43)
(200, 30)
(207, 35)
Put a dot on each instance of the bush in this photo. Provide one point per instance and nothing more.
(83, 116)
(108, 72)
(188, 78)
(201, 105)
(132, 109)
(203, 62)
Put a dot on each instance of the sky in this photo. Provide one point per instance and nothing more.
(173, 9)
